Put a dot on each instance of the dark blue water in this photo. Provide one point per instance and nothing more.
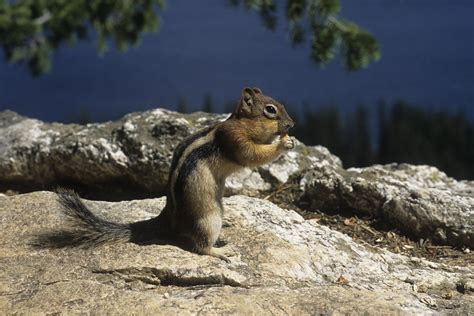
(207, 47)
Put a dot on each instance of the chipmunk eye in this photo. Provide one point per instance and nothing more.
(270, 109)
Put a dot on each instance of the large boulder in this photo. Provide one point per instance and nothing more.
(419, 200)
(130, 156)
(133, 152)
(280, 264)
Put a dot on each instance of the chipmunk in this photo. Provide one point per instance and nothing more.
(199, 167)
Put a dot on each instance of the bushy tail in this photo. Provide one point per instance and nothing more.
(86, 229)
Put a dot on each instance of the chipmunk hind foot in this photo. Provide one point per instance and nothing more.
(214, 252)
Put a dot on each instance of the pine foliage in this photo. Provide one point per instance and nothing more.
(331, 36)
(31, 29)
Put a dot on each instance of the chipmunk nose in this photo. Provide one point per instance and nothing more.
(289, 125)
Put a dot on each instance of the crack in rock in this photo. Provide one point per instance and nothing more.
(168, 277)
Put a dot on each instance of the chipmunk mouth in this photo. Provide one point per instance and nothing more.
(284, 130)
(281, 133)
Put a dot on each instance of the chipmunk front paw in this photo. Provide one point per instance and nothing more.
(287, 142)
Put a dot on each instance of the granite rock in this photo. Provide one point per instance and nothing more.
(280, 264)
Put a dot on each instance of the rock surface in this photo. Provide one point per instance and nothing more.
(419, 200)
(281, 264)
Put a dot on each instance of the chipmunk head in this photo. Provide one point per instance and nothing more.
(269, 115)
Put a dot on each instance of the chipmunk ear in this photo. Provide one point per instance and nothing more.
(257, 90)
(245, 108)
(246, 101)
